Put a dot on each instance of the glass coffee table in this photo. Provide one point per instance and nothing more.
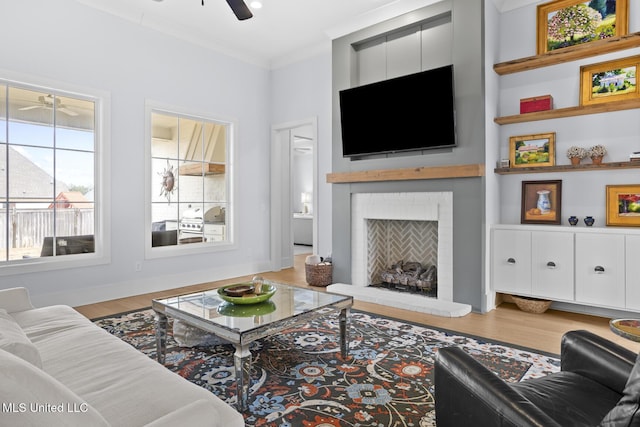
(241, 324)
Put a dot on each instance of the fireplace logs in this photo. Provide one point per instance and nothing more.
(412, 276)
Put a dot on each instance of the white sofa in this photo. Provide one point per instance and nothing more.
(59, 369)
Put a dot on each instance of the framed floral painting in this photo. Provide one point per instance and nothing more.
(564, 24)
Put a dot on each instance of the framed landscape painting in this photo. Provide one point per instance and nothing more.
(623, 205)
(566, 23)
(609, 81)
(532, 150)
(541, 202)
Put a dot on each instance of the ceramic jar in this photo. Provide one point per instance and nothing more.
(543, 201)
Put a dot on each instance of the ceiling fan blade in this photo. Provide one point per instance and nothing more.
(33, 107)
(240, 9)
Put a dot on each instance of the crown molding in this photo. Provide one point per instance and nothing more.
(507, 5)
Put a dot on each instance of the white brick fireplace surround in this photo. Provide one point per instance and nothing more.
(431, 206)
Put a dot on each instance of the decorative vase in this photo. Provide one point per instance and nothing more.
(575, 160)
(589, 220)
(543, 201)
(573, 220)
(596, 160)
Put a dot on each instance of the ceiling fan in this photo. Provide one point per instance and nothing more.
(47, 102)
(239, 8)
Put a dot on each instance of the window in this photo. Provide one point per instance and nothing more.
(48, 175)
(189, 181)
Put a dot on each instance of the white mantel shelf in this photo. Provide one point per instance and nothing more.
(408, 174)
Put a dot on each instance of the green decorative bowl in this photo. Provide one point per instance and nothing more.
(246, 310)
(267, 292)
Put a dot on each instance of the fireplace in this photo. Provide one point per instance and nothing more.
(403, 255)
(405, 208)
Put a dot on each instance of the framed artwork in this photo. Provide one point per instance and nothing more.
(623, 205)
(609, 81)
(532, 150)
(566, 23)
(541, 202)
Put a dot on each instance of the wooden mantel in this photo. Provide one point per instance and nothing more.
(408, 174)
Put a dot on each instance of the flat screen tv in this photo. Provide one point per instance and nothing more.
(408, 113)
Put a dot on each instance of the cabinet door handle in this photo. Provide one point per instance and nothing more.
(599, 269)
(551, 264)
(511, 261)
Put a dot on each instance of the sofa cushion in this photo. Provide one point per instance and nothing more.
(31, 397)
(569, 398)
(15, 299)
(195, 414)
(15, 341)
(627, 411)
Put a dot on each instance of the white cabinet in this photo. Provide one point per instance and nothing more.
(552, 265)
(302, 229)
(511, 261)
(533, 263)
(587, 266)
(600, 275)
(632, 282)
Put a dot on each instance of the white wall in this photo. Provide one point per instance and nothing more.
(300, 91)
(68, 43)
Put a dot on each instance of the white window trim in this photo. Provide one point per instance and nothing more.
(192, 248)
(102, 254)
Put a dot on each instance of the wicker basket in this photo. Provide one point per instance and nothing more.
(318, 274)
(531, 305)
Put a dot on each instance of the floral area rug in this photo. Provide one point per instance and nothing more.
(299, 378)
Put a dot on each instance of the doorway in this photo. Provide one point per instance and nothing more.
(294, 190)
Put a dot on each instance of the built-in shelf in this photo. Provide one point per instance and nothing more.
(408, 174)
(572, 53)
(569, 112)
(568, 168)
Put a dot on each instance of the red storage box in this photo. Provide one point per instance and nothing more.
(537, 103)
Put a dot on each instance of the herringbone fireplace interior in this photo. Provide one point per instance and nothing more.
(402, 253)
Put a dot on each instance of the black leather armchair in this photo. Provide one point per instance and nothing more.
(598, 379)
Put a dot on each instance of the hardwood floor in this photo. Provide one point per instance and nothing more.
(506, 323)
